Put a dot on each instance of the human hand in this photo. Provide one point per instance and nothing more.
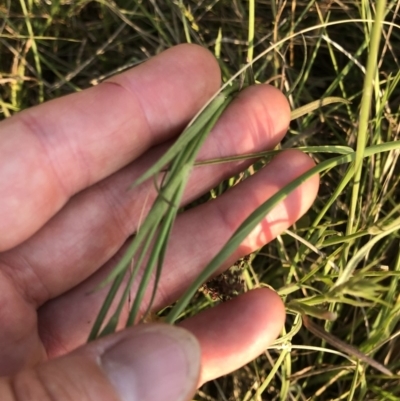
(65, 217)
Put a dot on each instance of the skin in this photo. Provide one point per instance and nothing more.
(66, 217)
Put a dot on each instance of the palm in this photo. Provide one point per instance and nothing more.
(66, 213)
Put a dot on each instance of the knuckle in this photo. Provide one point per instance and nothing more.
(28, 385)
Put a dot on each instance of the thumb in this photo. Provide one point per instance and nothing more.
(145, 363)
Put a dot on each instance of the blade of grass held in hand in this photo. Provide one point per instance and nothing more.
(336, 149)
(153, 235)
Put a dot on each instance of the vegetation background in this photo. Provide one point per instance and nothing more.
(49, 48)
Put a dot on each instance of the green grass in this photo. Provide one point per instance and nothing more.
(343, 257)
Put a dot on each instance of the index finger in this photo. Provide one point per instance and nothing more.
(50, 152)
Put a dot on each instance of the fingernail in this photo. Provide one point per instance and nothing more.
(159, 362)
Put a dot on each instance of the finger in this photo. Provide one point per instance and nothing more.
(53, 151)
(95, 224)
(236, 332)
(201, 232)
(197, 236)
(147, 363)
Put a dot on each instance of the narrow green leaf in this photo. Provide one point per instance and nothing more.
(206, 119)
(310, 107)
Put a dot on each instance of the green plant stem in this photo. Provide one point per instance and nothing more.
(365, 110)
(251, 24)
